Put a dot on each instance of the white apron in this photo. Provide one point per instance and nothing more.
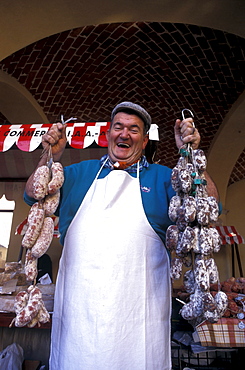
(112, 300)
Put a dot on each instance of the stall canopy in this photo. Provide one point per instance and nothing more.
(28, 137)
(230, 235)
(20, 150)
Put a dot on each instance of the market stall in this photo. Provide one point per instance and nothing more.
(27, 138)
(229, 235)
(211, 345)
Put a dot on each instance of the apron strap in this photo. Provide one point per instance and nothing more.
(101, 168)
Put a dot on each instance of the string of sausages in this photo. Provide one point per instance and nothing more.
(192, 240)
(47, 181)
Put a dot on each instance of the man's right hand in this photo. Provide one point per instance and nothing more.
(56, 137)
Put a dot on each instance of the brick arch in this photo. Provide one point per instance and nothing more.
(35, 25)
(16, 102)
(32, 22)
(228, 148)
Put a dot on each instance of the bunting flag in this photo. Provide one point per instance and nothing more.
(28, 137)
(230, 235)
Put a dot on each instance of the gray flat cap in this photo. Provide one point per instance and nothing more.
(139, 111)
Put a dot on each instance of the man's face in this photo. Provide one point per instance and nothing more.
(126, 138)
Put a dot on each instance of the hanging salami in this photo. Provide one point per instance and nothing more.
(193, 212)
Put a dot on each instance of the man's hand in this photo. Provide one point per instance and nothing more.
(56, 137)
(185, 133)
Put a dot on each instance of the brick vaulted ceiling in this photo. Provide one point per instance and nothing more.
(85, 72)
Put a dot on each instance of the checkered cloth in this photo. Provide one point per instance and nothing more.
(224, 333)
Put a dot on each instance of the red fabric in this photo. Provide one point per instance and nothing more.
(28, 137)
(230, 235)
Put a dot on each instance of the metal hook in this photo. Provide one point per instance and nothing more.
(193, 125)
(188, 110)
(68, 120)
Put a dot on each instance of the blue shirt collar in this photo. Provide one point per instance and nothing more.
(133, 168)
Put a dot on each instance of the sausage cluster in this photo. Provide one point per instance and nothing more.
(234, 289)
(29, 308)
(192, 240)
(47, 181)
(40, 226)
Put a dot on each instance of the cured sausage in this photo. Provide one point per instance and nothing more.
(35, 221)
(190, 208)
(209, 302)
(172, 235)
(185, 180)
(43, 314)
(57, 179)
(41, 179)
(181, 221)
(41, 318)
(212, 316)
(212, 270)
(201, 275)
(187, 311)
(216, 239)
(187, 240)
(205, 241)
(174, 206)
(194, 308)
(189, 281)
(203, 211)
(30, 311)
(196, 245)
(51, 203)
(198, 305)
(29, 308)
(213, 209)
(175, 179)
(221, 301)
(30, 267)
(200, 159)
(20, 301)
(43, 241)
(176, 268)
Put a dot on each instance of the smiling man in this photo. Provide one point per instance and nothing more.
(128, 134)
(113, 294)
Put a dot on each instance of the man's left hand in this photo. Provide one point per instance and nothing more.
(185, 133)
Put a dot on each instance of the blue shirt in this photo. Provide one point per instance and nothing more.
(155, 188)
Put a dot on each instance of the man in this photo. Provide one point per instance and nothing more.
(113, 294)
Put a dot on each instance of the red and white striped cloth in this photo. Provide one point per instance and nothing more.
(230, 235)
(28, 137)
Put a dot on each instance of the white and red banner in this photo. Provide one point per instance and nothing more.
(230, 235)
(28, 137)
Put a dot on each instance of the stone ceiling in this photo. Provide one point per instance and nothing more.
(165, 67)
